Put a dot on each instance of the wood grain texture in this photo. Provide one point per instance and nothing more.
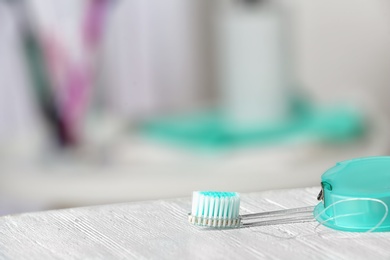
(159, 230)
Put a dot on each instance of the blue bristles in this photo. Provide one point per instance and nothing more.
(215, 209)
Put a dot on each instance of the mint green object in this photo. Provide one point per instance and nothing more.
(207, 130)
(356, 195)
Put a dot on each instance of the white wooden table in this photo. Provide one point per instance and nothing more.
(159, 230)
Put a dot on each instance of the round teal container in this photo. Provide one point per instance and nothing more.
(356, 195)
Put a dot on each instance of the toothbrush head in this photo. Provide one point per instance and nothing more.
(215, 209)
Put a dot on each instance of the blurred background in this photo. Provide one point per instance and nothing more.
(106, 101)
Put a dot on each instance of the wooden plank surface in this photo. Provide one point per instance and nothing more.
(159, 230)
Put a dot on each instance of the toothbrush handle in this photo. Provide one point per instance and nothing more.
(286, 212)
(285, 216)
(300, 219)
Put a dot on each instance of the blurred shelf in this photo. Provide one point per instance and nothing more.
(135, 168)
(142, 170)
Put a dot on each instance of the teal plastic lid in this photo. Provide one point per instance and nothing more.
(356, 195)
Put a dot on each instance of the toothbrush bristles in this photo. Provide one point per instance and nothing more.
(215, 209)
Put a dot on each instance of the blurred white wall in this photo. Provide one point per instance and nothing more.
(152, 57)
(20, 123)
(343, 50)
(341, 53)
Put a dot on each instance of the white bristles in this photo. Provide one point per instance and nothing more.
(215, 209)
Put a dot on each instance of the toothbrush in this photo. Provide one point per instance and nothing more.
(221, 210)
